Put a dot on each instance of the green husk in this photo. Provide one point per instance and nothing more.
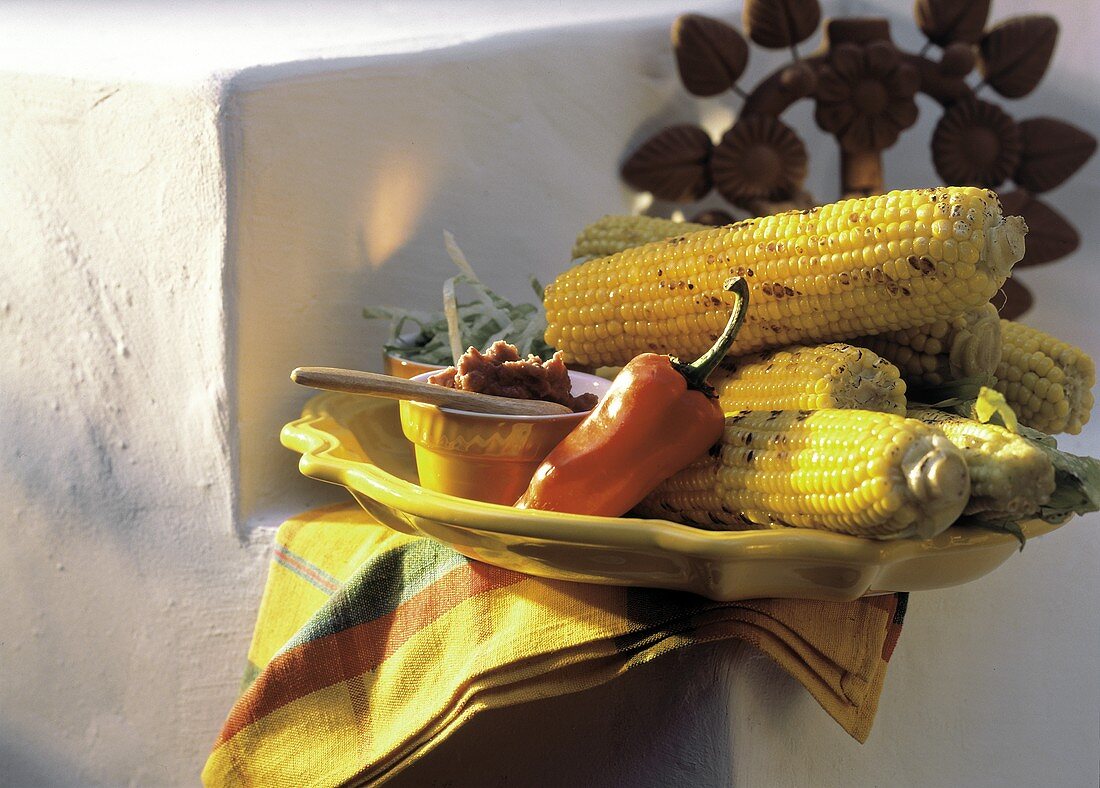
(477, 322)
(1076, 483)
(1076, 479)
(1076, 487)
(1005, 526)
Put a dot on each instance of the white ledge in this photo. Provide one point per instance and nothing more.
(189, 42)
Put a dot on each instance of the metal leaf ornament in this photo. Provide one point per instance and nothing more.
(863, 88)
(1049, 235)
(710, 55)
(672, 164)
(948, 21)
(1015, 299)
(1016, 53)
(778, 24)
(1052, 150)
(715, 217)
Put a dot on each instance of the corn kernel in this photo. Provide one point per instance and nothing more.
(1045, 381)
(841, 470)
(909, 270)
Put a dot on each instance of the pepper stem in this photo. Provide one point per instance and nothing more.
(697, 371)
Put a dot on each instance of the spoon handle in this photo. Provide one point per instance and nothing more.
(356, 382)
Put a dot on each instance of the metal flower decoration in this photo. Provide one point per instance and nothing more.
(759, 158)
(865, 95)
(863, 88)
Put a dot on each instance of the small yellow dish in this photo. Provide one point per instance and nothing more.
(357, 442)
(401, 367)
(485, 457)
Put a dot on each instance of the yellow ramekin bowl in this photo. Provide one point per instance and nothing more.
(401, 367)
(485, 457)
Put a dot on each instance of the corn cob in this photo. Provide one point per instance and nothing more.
(1047, 382)
(857, 472)
(950, 349)
(613, 234)
(857, 267)
(810, 378)
(1010, 477)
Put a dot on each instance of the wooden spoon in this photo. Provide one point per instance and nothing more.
(356, 382)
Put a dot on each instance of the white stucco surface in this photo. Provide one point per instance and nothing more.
(188, 217)
(123, 590)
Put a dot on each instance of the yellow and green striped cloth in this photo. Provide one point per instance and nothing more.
(372, 646)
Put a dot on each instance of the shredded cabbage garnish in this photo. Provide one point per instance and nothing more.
(440, 337)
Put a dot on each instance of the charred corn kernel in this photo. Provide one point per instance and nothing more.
(857, 472)
(807, 270)
(1010, 477)
(692, 496)
(810, 377)
(613, 234)
(950, 349)
(1046, 381)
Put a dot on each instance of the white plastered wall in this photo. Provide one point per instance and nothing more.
(170, 250)
(124, 590)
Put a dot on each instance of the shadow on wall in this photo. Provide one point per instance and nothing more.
(26, 764)
(107, 582)
(663, 723)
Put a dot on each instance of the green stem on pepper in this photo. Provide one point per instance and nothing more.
(697, 371)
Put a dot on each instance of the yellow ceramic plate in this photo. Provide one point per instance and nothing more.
(356, 441)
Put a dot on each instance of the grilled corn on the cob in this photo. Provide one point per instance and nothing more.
(810, 377)
(613, 234)
(857, 472)
(1010, 477)
(951, 349)
(857, 267)
(1046, 381)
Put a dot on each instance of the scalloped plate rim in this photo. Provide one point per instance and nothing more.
(311, 436)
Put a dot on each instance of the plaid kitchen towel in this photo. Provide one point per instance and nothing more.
(372, 646)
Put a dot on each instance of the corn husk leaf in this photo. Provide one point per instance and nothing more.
(1005, 526)
(1076, 488)
(1076, 478)
(991, 407)
(1076, 481)
(970, 398)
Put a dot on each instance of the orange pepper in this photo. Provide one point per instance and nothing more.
(658, 416)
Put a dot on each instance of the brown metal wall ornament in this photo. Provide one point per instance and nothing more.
(863, 89)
